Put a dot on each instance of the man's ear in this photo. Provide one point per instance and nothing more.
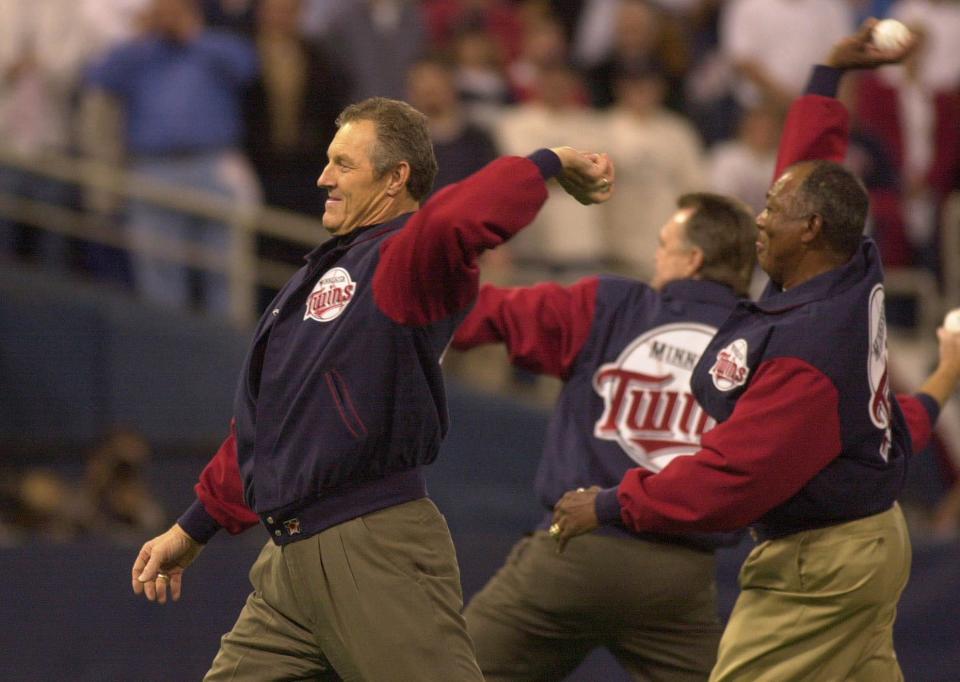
(696, 261)
(398, 178)
(812, 230)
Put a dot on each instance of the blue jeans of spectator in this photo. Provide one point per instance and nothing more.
(167, 282)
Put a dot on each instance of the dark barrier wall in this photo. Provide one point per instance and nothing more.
(68, 612)
(76, 360)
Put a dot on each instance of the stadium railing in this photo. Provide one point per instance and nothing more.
(244, 269)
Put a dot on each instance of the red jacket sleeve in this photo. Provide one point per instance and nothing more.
(755, 460)
(428, 270)
(220, 502)
(817, 127)
(544, 327)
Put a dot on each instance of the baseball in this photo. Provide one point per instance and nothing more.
(889, 35)
(952, 321)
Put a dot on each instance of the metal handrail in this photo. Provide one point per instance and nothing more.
(244, 269)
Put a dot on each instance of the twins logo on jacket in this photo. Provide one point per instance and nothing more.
(330, 296)
(877, 370)
(648, 406)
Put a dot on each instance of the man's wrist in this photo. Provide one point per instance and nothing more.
(607, 507)
(824, 80)
(548, 161)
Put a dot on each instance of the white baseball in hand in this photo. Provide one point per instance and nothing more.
(952, 321)
(889, 35)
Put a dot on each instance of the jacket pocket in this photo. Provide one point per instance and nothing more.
(344, 404)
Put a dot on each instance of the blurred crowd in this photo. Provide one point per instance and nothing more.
(238, 97)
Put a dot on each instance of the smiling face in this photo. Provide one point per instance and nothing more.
(676, 258)
(782, 230)
(356, 197)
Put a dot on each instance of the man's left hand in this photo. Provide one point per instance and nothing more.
(575, 514)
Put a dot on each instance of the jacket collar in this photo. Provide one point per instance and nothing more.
(865, 263)
(358, 236)
(700, 290)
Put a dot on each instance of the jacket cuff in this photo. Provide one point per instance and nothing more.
(548, 163)
(607, 507)
(824, 80)
(931, 405)
(198, 523)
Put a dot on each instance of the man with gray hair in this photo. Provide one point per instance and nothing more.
(341, 405)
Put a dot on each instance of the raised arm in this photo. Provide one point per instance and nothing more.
(818, 125)
(428, 270)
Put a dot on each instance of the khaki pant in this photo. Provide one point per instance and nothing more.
(652, 605)
(376, 598)
(819, 605)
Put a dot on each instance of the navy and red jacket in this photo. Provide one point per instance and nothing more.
(809, 432)
(625, 353)
(341, 401)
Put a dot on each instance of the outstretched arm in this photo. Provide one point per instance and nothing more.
(544, 327)
(428, 270)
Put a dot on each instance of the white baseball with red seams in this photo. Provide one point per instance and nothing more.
(889, 35)
(952, 321)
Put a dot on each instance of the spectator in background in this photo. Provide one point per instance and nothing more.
(640, 39)
(289, 114)
(100, 131)
(480, 76)
(869, 158)
(708, 84)
(742, 167)
(498, 19)
(566, 239)
(40, 503)
(290, 108)
(113, 499)
(43, 46)
(918, 126)
(179, 86)
(375, 43)
(116, 489)
(544, 45)
(769, 67)
(658, 156)
(461, 146)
